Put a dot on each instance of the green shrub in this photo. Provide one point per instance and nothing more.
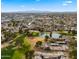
(35, 33)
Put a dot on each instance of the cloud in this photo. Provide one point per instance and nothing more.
(68, 2)
(64, 4)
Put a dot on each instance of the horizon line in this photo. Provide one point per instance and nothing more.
(34, 11)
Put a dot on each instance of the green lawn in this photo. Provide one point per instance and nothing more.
(7, 53)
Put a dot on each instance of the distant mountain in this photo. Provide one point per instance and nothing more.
(37, 11)
(32, 11)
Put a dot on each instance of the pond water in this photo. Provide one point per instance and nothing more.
(54, 35)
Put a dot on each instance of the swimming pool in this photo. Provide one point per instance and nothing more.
(54, 35)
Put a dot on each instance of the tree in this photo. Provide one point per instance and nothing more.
(74, 32)
(69, 31)
(24, 48)
(31, 54)
(41, 30)
(46, 38)
(60, 36)
(20, 30)
(50, 34)
(73, 48)
(38, 44)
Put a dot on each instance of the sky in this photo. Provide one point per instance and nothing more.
(39, 5)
